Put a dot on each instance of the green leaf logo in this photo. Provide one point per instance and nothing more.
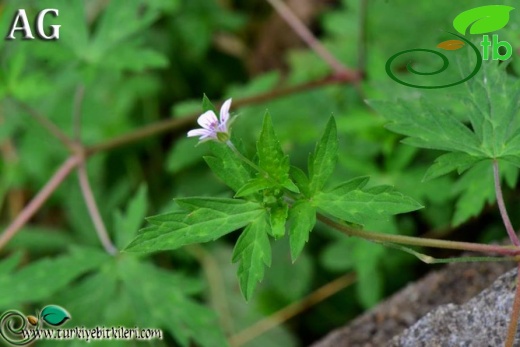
(54, 315)
(482, 20)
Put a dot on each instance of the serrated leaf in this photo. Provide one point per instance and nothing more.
(302, 218)
(54, 315)
(323, 160)
(493, 104)
(201, 220)
(270, 155)
(449, 162)
(253, 252)
(429, 127)
(483, 19)
(253, 186)
(225, 164)
(278, 215)
(359, 206)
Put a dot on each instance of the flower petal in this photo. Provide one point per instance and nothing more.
(208, 120)
(199, 132)
(224, 111)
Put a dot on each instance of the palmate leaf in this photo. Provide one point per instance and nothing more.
(162, 301)
(198, 220)
(253, 252)
(489, 127)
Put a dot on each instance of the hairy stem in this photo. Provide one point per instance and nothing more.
(39, 199)
(515, 313)
(502, 206)
(94, 211)
(306, 35)
(417, 241)
(246, 160)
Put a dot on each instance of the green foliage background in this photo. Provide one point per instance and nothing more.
(143, 61)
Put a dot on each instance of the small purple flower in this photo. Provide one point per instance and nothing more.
(212, 128)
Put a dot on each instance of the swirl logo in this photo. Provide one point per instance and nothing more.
(20, 330)
(478, 21)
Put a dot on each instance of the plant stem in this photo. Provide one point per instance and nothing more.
(46, 123)
(502, 206)
(185, 121)
(39, 199)
(417, 241)
(245, 159)
(292, 310)
(515, 313)
(396, 239)
(306, 35)
(93, 210)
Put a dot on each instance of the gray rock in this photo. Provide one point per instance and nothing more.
(481, 322)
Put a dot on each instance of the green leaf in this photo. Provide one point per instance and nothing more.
(301, 180)
(230, 169)
(127, 224)
(429, 126)
(253, 251)
(483, 19)
(151, 302)
(38, 280)
(200, 220)
(323, 161)
(54, 315)
(476, 188)
(360, 206)
(270, 155)
(253, 186)
(493, 104)
(302, 218)
(350, 185)
(278, 215)
(446, 163)
(119, 24)
(207, 105)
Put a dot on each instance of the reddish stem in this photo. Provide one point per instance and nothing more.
(39, 199)
(502, 206)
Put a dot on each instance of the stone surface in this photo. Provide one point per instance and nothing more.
(481, 322)
(453, 284)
